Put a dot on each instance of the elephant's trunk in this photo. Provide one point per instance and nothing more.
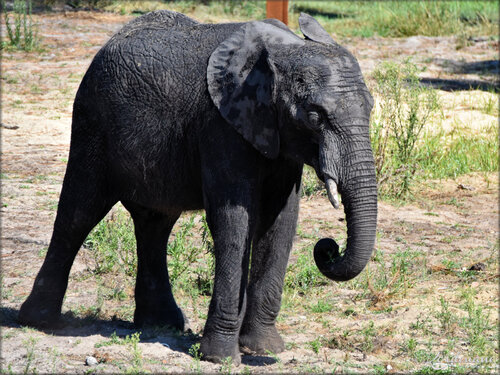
(358, 189)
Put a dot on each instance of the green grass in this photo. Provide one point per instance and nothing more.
(343, 18)
(445, 316)
(476, 324)
(389, 278)
(30, 344)
(403, 18)
(303, 274)
(321, 306)
(463, 154)
(194, 351)
(113, 340)
(408, 148)
(131, 341)
(359, 339)
(316, 345)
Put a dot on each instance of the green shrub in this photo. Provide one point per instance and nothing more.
(21, 31)
(477, 325)
(183, 254)
(113, 245)
(406, 107)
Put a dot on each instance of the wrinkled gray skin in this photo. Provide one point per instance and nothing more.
(173, 115)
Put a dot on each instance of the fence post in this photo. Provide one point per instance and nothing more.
(277, 9)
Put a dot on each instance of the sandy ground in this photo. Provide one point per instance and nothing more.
(453, 219)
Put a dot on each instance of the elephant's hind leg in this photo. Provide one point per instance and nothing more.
(271, 248)
(84, 201)
(154, 302)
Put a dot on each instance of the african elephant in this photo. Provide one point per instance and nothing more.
(174, 115)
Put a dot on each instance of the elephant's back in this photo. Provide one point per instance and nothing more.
(162, 19)
(149, 67)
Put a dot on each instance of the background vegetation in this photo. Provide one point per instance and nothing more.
(403, 18)
(413, 148)
(342, 18)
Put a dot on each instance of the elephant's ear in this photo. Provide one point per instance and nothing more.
(241, 77)
(312, 30)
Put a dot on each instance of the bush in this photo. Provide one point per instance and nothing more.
(21, 33)
(406, 107)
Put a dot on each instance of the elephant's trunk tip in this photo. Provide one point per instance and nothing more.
(328, 260)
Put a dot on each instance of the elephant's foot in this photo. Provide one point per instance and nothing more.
(171, 317)
(218, 348)
(40, 311)
(261, 341)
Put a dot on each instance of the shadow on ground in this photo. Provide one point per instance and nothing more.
(489, 69)
(484, 67)
(315, 12)
(71, 325)
(460, 84)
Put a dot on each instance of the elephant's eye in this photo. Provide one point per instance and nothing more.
(314, 119)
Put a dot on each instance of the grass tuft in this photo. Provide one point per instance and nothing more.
(303, 275)
(112, 243)
(21, 32)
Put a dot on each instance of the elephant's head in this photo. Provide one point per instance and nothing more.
(305, 99)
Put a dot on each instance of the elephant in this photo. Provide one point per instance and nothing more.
(174, 115)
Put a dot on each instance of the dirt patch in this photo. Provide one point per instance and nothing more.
(360, 326)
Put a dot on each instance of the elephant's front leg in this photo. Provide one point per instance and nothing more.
(271, 248)
(231, 228)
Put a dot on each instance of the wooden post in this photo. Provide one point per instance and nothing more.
(277, 9)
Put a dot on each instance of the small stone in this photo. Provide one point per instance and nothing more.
(91, 361)
(389, 367)
(465, 187)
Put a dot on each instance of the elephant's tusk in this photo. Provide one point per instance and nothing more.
(331, 188)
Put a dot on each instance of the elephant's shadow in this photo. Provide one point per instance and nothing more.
(71, 325)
